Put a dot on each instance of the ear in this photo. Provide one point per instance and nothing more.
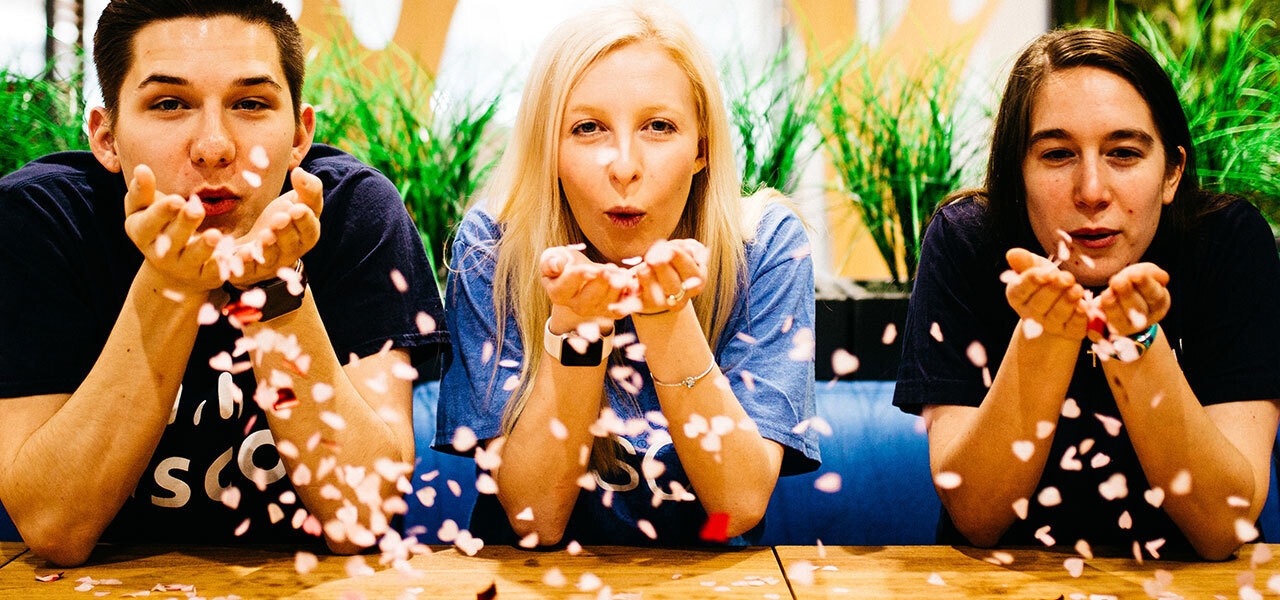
(102, 139)
(1173, 177)
(303, 134)
(700, 162)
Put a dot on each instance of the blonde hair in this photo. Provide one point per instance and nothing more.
(525, 194)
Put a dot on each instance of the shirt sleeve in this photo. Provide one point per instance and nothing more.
(766, 351)
(369, 272)
(479, 382)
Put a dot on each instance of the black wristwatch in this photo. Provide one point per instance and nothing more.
(279, 301)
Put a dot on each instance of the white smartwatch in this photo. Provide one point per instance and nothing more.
(573, 350)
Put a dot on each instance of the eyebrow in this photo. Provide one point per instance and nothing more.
(1138, 135)
(253, 81)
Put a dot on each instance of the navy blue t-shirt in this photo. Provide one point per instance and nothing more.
(1224, 280)
(67, 266)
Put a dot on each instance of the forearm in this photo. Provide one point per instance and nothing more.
(547, 451)
(344, 432)
(1180, 447)
(732, 468)
(84, 456)
(1022, 407)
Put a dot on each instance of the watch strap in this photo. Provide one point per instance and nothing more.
(276, 299)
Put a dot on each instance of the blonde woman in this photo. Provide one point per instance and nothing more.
(631, 351)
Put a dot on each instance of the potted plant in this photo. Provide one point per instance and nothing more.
(386, 111)
(895, 144)
(38, 115)
(1223, 61)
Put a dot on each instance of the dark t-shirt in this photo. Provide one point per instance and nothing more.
(1224, 280)
(67, 265)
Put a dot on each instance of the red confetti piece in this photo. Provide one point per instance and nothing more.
(285, 399)
(241, 314)
(49, 577)
(716, 528)
(1099, 326)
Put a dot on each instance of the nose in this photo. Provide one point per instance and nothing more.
(1091, 187)
(212, 145)
(625, 168)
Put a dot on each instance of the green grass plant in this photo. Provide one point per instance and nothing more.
(773, 112)
(894, 140)
(1228, 77)
(385, 110)
(39, 115)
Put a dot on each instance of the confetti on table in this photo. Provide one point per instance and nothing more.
(574, 548)
(48, 578)
(554, 578)
(1074, 566)
(935, 579)
(305, 562)
(589, 582)
(801, 572)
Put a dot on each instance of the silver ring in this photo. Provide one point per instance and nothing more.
(672, 299)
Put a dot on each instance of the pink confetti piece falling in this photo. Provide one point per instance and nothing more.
(1261, 555)
(843, 362)
(1044, 536)
(573, 548)
(426, 496)
(162, 245)
(333, 420)
(258, 157)
(1020, 507)
(802, 345)
(1070, 409)
(1181, 484)
(1031, 329)
(1008, 276)
(1114, 487)
(1069, 461)
(1086, 445)
(1049, 497)
(1044, 429)
(486, 485)
(947, 480)
(513, 382)
(398, 280)
(828, 482)
(242, 528)
(173, 295)
(253, 179)
(1083, 549)
(647, 529)
(1138, 319)
(1154, 546)
(1245, 531)
(230, 497)
(977, 354)
(427, 324)
(801, 252)
(454, 488)
(1237, 502)
(889, 335)
(1126, 522)
(935, 330)
(1074, 566)
(1111, 424)
(1099, 460)
(1000, 557)
(208, 314)
(606, 156)
(1024, 450)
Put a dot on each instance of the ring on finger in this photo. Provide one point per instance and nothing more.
(673, 299)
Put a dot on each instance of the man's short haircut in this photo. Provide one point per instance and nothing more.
(113, 44)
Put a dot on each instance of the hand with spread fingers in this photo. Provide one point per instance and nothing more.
(1038, 290)
(164, 227)
(288, 228)
(1136, 298)
(586, 288)
(673, 272)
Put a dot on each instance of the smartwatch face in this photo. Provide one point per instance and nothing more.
(570, 357)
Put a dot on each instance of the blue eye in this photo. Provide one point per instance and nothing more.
(586, 128)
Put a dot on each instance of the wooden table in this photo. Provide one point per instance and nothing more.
(445, 573)
(10, 551)
(960, 572)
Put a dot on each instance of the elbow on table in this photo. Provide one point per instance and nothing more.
(60, 548)
(981, 532)
(744, 516)
(1216, 547)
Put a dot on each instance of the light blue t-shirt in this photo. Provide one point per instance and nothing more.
(766, 352)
